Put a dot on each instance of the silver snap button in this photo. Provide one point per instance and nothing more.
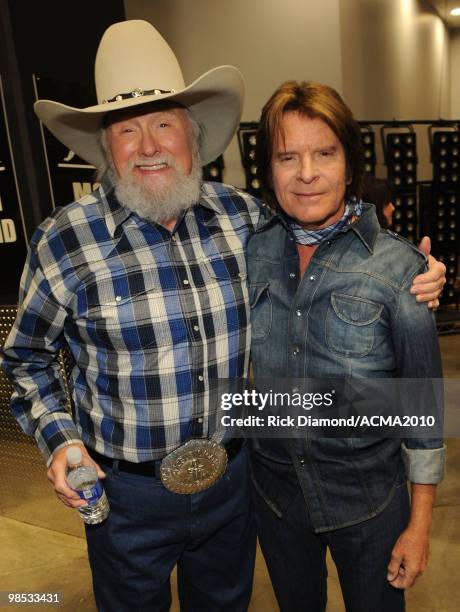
(291, 274)
(200, 378)
(118, 298)
(185, 282)
(312, 278)
(298, 313)
(196, 328)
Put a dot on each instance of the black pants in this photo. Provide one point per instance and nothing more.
(296, 557)
(209, 535)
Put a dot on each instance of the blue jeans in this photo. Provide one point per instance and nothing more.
(209, 535)
(296, 557)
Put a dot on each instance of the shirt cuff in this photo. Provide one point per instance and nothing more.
(55, 430)
(424, 465)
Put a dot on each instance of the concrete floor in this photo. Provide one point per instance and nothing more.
(43, 546)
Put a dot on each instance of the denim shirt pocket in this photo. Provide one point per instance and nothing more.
(261, 310)
(350, 324)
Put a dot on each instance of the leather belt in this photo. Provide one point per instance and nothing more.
(152, 468)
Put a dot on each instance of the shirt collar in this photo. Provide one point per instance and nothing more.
(210, 199)
(366, 227)
(113, 213)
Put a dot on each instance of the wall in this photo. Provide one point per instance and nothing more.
(395, 59)
(389, 58)
(455, 73)
(268, 40)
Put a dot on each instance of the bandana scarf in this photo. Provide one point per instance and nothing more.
(353, 208)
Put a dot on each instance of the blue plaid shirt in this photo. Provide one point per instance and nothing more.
(150, 317)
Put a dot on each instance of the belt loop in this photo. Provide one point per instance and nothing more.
(115, 465)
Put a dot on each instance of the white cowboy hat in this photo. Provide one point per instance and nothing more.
(135, 65)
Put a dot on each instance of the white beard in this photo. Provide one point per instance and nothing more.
(165, 203)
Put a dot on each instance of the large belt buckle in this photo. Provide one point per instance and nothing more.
(194, 466)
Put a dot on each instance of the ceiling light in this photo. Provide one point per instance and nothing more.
(455, 11)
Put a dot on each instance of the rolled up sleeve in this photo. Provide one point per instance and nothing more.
(418, 357)
(424, 465)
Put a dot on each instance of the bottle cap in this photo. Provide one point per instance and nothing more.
(74, 455)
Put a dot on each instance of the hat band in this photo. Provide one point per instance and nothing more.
(136, 93)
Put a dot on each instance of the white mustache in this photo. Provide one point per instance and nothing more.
(157, 161)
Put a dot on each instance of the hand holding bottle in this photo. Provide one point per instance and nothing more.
(82, 477)
(57, 473)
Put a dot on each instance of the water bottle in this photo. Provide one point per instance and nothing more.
(83, 479)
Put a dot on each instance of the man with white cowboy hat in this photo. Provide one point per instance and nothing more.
(144, 280)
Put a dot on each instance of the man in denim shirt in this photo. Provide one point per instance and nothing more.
(330, 298)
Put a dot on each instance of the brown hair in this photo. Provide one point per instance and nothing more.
(314, 101)
(377, 192)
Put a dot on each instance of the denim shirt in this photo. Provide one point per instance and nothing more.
(350, 315)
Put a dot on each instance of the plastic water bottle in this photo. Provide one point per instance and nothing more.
(83, 479)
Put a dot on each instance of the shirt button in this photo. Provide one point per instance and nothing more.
(200, 378)
(298, 313)
(295, 389)
(291, 274)
(295, 351)
(312, 278)
(185, 282)
(302, 461)
(200, 419)
(196, 328)
(118, 298)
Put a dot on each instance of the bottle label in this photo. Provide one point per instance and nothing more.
(93, 494)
